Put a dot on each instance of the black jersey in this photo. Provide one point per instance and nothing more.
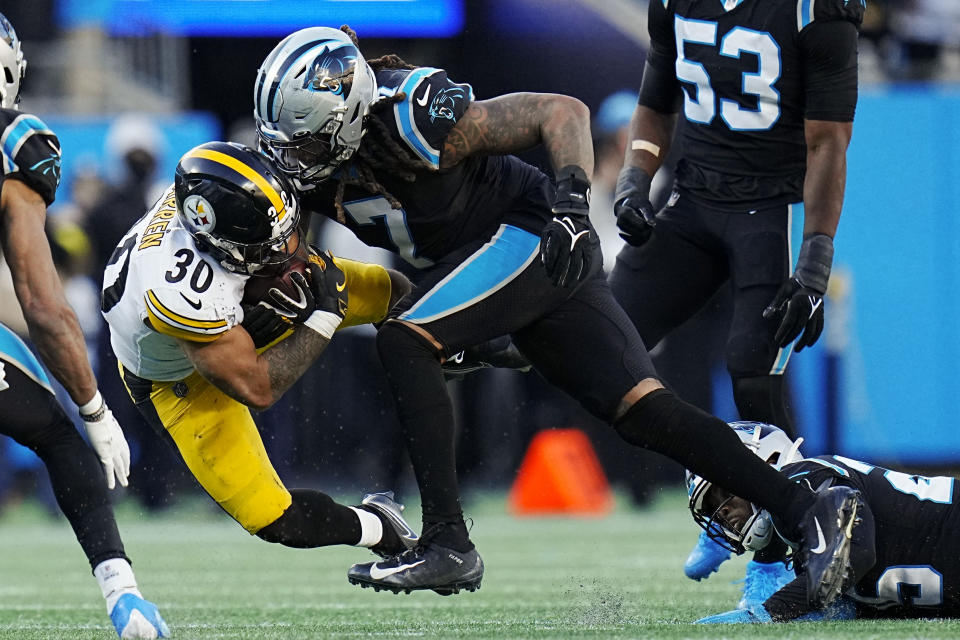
(31, 152)
(912, 524)
(750, 72)
(441, 210)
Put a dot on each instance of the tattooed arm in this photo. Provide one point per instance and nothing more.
(519, 121)
(232, 364)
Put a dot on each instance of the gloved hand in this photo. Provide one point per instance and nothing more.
(497, 353)
(263, 323)
(800, 299)
(738, 616)
(322, 301)
(631, 205)
(107, 440)
(567, 242)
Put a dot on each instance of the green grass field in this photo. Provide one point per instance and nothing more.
(615, 577)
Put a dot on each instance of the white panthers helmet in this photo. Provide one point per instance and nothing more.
(310, 98)
(13, 64)
(774, 447)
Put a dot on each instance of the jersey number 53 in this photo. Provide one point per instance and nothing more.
(701, 104)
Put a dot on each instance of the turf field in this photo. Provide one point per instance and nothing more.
(616, 577)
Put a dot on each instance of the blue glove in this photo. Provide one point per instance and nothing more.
(738, 616)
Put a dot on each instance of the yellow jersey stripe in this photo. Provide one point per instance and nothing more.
(171, 317)
(160, 326)
(247, 172)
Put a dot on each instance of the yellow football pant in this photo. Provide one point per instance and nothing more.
(216, 435)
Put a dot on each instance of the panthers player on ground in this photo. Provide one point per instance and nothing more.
(768, 90)
(29, 411)
(904, 563)
(195, 360)
(409, 161)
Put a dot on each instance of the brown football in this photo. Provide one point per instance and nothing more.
(257, 286)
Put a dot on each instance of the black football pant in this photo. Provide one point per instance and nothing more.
(31, 415)
(580, 340)
(694, 250)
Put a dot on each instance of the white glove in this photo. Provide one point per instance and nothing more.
(107, 440)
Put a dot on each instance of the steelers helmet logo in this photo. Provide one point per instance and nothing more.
(199, 213)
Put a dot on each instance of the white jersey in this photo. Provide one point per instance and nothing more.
(158, 287)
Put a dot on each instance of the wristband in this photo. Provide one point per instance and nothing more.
(813, 265)
(632, 178)
(324, 323)
(93, 410)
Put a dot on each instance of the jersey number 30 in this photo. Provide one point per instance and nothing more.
(700, 105)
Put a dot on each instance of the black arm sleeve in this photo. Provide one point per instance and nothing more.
(659, 88)
(830, 70)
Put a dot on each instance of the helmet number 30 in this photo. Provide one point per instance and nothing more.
(700, 103)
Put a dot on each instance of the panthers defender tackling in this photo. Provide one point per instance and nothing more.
(195, 360)
(903, 561)
(410, 161)
(29, 411)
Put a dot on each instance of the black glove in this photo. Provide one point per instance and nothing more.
(498, 353)
(329, 283)
(631, 205)
(297, 309)
(567, 243)
(325, 290)
(263, 323)
(800, 298)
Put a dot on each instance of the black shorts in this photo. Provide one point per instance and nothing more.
(694, 250)
(28, 406)
(579, 339)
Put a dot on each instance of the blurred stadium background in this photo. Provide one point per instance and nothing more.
(129, 85)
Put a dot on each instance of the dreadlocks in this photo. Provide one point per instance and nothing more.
(378, 150)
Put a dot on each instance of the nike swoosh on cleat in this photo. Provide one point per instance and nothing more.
(821, 543)
(196, 305)
(379, 574)
(341, 287)
(422, 101)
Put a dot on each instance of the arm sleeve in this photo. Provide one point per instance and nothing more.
(659, 88)
(369, 292)
(31, 154)
(830, 69)
(433, 105)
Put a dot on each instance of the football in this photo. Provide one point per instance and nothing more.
(257, 286)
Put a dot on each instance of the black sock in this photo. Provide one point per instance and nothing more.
(426, 414)
(313, 519)
(450, 533)
(77, 479)
(708, 447)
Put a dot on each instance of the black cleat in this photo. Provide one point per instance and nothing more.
(390, 511)
(826, 530)
(426, 566)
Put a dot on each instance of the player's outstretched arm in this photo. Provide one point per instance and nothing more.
(52, 323)
(519, 121)
(54, 328)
